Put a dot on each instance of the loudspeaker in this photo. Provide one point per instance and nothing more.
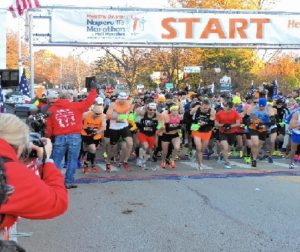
(88, 82)
(9, 78)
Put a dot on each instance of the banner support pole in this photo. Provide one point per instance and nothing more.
(31, 52)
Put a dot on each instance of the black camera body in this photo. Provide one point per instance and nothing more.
(36, 140)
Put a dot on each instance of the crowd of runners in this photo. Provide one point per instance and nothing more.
(156, 126)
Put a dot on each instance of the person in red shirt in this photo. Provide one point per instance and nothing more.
(65, 124)
(228, 122)
(31, 196)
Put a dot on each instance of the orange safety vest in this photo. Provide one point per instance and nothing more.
(94, 123)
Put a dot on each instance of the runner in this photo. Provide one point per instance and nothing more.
(171, 125)
(94, 123)
(119, 131)
(228, 121)
(147, 133)
(295, 137)
(261, 116)
(203, 122)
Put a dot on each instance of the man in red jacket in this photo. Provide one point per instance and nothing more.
(65, 124)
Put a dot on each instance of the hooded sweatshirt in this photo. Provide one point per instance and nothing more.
(33, 197)
(66, 116)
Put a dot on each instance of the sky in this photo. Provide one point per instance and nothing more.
(281, 5)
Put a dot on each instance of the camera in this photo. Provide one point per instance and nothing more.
(36, 140)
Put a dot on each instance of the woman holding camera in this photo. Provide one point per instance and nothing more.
(25, 194)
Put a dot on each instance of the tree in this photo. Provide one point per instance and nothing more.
(12, 51)
(285, 69)
(128, 63)
(51, 70)
(225, 4)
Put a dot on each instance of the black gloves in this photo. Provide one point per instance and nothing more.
(259, 126)
(91, 131)
(227, 126)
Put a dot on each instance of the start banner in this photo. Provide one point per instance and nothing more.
(185, 26)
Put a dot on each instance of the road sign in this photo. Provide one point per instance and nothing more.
(192, 69)
(225, 84)
(169, 85)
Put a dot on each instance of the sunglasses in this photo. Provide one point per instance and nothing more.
(97, 114)
(152, 110)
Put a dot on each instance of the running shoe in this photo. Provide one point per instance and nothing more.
(95, 169)
(139, 162)
(292, 165)
(277, 153)
(104, 154)
(154, 158)
(247, 160)
(163, 164)
(253, 163)
(270, 160)
(85, 168)
(220, 158)
(172, 164)
(107, 168)
(241, 154)
(126, 166)
(227, 165)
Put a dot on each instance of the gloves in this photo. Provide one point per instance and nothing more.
(132, 117)
(159, 126)
(122, 117)
(281, 124)
(259, 126)
(91, 131)
(227, 126)
(195, 127)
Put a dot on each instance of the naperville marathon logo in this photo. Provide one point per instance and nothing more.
(135, 24)
(118, 26)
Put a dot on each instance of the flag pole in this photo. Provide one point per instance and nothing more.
(20, 65)
(31, 52)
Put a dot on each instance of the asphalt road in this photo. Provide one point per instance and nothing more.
(176, 210)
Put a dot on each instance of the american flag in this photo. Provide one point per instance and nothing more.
(275, 89)
(1, 99)
(18, 7)
(23, 87)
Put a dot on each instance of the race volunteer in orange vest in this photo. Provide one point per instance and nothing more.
(94, 123)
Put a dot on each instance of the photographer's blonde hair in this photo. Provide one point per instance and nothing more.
(13, 130)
